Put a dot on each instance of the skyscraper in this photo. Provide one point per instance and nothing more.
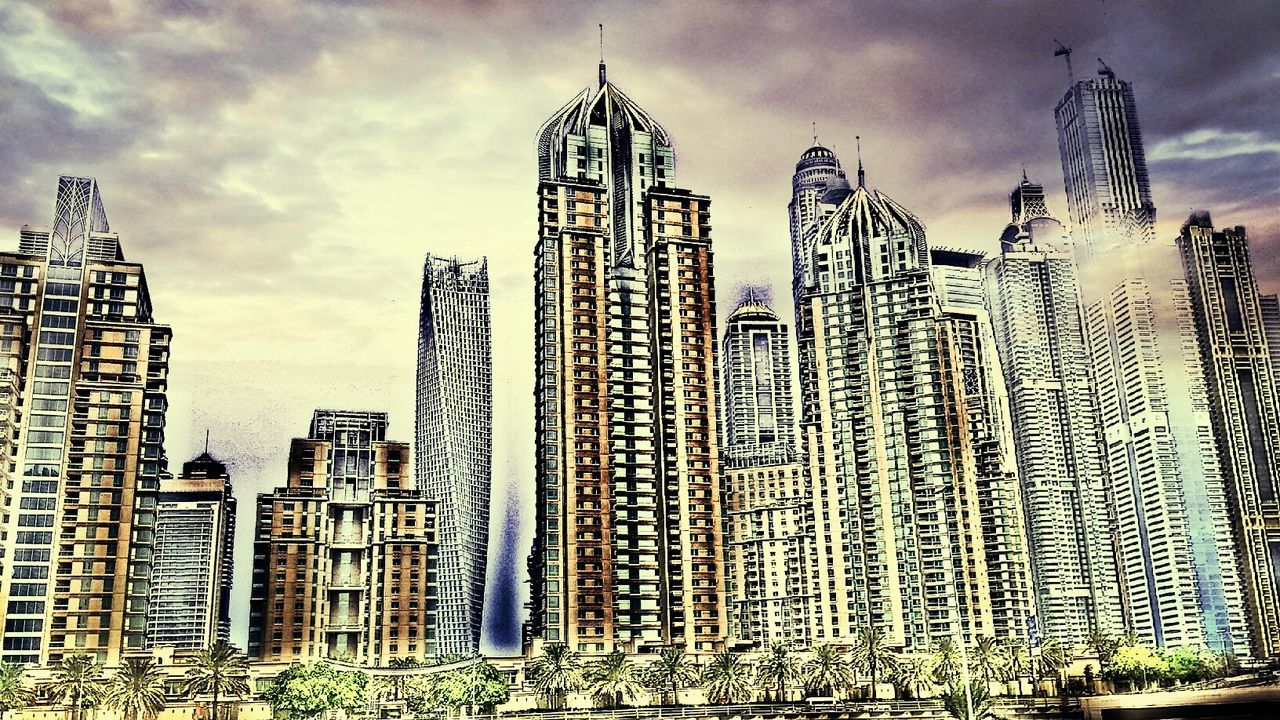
(817, 173)
(1245, 408)
(628, 551)
(192, 567)
(453, 439)
(769, 505)
(896, 503)
(1173, 530)
(1034, 298)
(87, 381)
(957, 277)
(345, 556)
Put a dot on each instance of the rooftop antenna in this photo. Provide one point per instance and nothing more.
(815, 132)
(206, 441)
(1064, 51)
(1024, 173)
(601, 54)
(862, 176)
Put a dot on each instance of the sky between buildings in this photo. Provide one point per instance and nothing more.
(281, 167)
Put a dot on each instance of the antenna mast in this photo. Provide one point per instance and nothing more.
(601, 54)
(1064, 51)
(862, 176)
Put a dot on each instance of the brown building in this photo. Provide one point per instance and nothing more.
(345, 555)
(84, 376)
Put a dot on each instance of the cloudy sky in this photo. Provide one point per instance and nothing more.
(282, 167)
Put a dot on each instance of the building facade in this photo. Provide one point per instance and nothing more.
(758, 390)
(86, 382)
(957, 277)
(1245, 407)
(628, 549)
(193, 561)
(346, 555)
(1033, 293)
(1177, 566)
(896, 502)
(453, 438)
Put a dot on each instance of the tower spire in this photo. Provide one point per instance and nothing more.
(862, 175)
(815, 132)
(601, 54)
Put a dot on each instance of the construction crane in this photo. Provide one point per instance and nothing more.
(1064, 51)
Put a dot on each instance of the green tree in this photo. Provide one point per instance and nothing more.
(988, 660)
(308, 691)
(218, 671)
(777, 668)
(958, 705)
(613, 680)
(397, 683)
(77, 682)
(1017, 661)
(1103, 646)
(480, 685)
(828, 671)
(1137, 665)
(728, 679)
(914, 675)
(1053, 658)
(670, 672)
(873, 655)
(14, 693)
(1188, 664)
(137, 689)
(556, 673)
(948, 663)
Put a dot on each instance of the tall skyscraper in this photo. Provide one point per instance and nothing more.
(896, 504)
(453, 439)
(628, 552)
(1104, 165)
(345, 556)
(1034, 298)
(1173, 529)
(192, 566)
(769, 505)
(957, 277)
(1270, 305)
(1245, 406)
(817, 173)
(87, 377)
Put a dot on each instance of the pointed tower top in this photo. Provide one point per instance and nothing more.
(862, 175)
(602, 80)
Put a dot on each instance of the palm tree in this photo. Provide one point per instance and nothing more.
(958, 705)
(828, 670)
(1018, 660)
(728, 678)
(137, 690)
(988, 659)
(13, 694)
(397, 682)
(556, 673)
(673, 670)
(217, 670)
(1102, 645)
(914, 675)
(77, 680)
(612, 680)
(1053, 658)
(948, 663)
(778, 668)
(871, 652)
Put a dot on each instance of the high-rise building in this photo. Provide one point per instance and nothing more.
(1033, 293)
(958, 285)
(628, 552)
(86, 384)
(1173, 529)
(1245, 408)
(192, 565)
(1104, 165)
(453, 439)
(768, 503)
(345, 556)
(1270, 305)
(896, 502)
(817, 173)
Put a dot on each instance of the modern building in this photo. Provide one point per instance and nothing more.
(958, 284)
(628, 548)
(1033, 293)
(896, 501)
(346, 555)
(453, 438)
(85, 382)
(817, 172)
(1270, 305)
(1169, 488)
(1245, 404)
(1104, 165)
(759, 400)
(193, 560)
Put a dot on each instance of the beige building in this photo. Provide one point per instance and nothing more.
(345, 555)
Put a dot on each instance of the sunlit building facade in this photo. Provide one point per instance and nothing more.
(85, 377)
